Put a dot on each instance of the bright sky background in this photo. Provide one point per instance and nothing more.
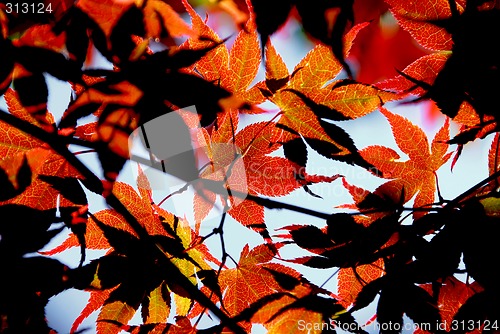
(369, 130)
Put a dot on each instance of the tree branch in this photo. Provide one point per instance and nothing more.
(94, 184)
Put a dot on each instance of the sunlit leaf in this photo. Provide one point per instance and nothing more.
(423, 162)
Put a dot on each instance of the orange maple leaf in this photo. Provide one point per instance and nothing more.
(416, 17)
(96, 299)
(254, 278)
(42, 36)
(249, 280)
(352, 280)
(288, 321)
(15, 144)
(233, 69)
(309, 95)
(419, 20)
(416, 175)
(452, 295)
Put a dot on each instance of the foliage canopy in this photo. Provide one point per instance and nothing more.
(400, 246)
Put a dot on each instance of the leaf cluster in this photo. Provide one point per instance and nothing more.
(401, 246)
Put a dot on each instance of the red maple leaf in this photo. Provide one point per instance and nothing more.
(452, 295)
(415, 176)
(15, 144)
(264, 174)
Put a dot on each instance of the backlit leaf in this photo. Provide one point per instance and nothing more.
(115, 311)
(352, 280)
(161, 19)
(452, 295)
(415, 17)
(158, 308)
(233, 69)
(416, 175)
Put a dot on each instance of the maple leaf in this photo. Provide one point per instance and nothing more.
(378, 49)
(424, 69)
(468, 76)
(252, 291)
(418, 19)
(420, 75)
(352, 280)
(234, 69)
(106, 19)
(415, 176)
(107, 230)
(94, 238)
(308, 98)
(16, 145)
(452, 294)
(264, 174)
(249, 280)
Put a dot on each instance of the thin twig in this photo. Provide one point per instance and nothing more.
(94, 184)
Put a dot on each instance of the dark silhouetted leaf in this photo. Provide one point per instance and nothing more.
(327, 21)
(479, 245)
(41, 60)
(321, 111)
(209, 278)
(475, 311)
(269, 16)
(70, 188)
(342, 228)
(130, 24)
(390, 310)
(296, 151)
(310, 237)
(422, 309)
(23, 180)
(25, 229)
(285, 281)
(368, 294)
(338, 135)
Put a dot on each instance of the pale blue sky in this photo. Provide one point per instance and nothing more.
(372, 129)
